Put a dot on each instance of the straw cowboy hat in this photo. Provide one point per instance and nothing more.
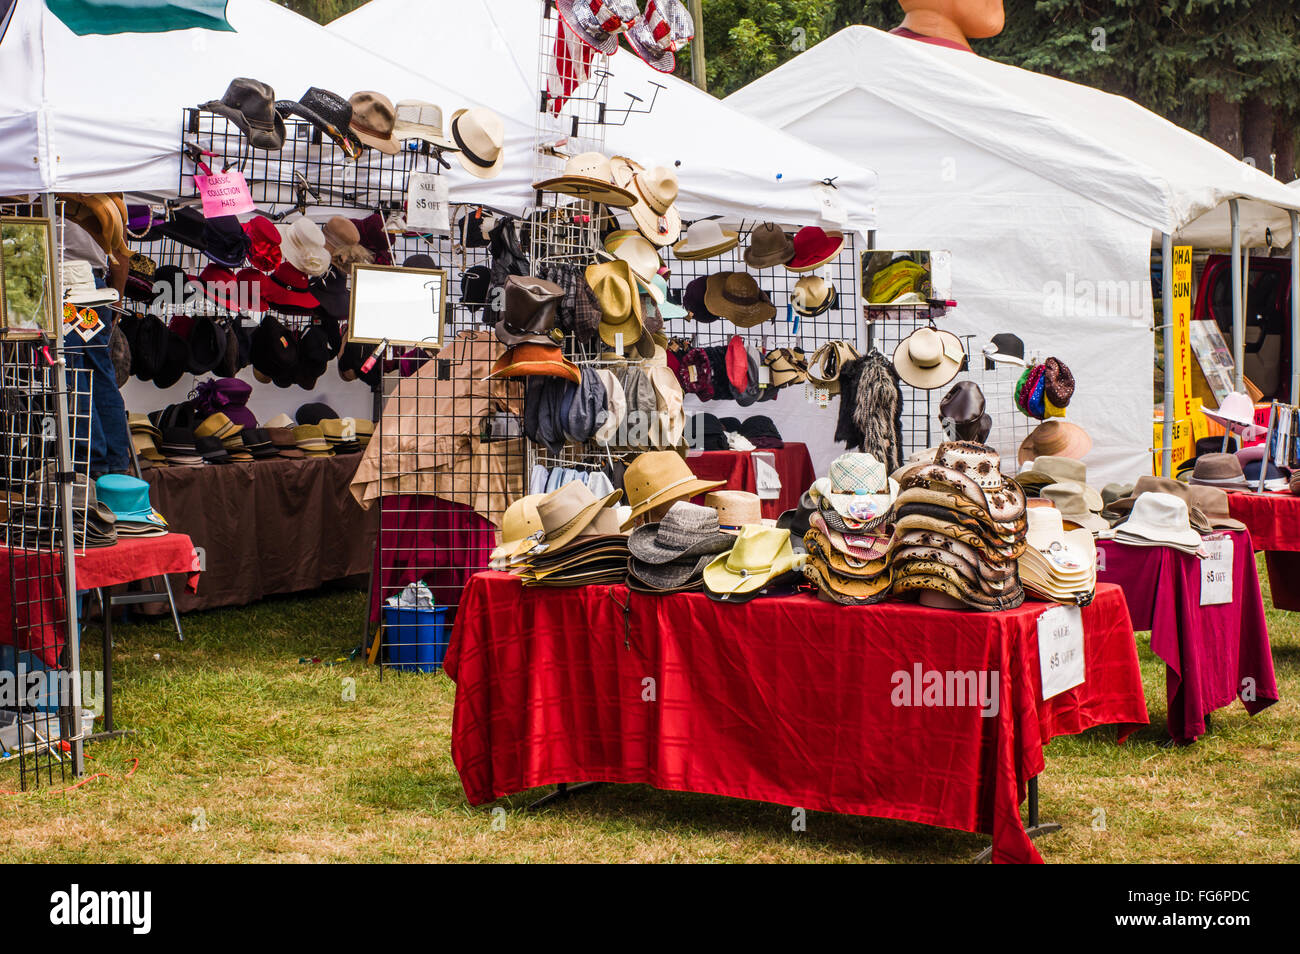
(660, 477)
(735, 509)
(481, 137)
(928, 358)
(705, 239)
(417, 119)
(858, 488)
(620, 306)
(589, 176)
(641, 256)
(761, 555)
(1055, 437)
(656, 190)
(566, 512)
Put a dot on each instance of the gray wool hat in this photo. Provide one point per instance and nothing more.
(686, 530)
(683, 574)
(588, 411)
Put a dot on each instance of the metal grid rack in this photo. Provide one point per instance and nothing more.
(887, 326)
(310, 170)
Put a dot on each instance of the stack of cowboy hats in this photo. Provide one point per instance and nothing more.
(761, 562)
(1160, 520)
(1058, 565)
(1207, 506)
(959, 527)
(670, 556)
(847, 540)
(519, 523)
(578, 543)
(146, 436)
(659, 478)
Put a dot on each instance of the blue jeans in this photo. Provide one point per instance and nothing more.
(110, 442)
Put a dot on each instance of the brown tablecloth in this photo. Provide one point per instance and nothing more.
(268, 526)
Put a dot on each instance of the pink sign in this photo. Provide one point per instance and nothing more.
(224, 193)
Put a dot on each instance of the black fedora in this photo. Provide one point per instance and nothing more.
(331, 290)
(313, 356)
(206, 345)
(185, 226)
(328, 112)
(225, 241)
(250, 105)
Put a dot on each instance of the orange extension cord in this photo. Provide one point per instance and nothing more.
(135, 764)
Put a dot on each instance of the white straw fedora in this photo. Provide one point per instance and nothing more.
(481, 136)
(928, 358)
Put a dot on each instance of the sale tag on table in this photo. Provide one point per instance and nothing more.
(224, 193)
(1216, 572)
(1060, 649)
(427, 203)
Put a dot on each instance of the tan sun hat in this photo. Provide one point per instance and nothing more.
(660, 477)
(736, 509)
(614, 287)
(928, 358)
(564, 513)
(641, 256)
(481, 138)
(518, 524)
(373, 119)
(589, 176)
(656, 192)
(705, 239)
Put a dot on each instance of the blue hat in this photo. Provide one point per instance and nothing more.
(667, 309)
(128, 498)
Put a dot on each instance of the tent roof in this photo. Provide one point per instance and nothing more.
(103, 113)
(729, 164)
(1092, 143)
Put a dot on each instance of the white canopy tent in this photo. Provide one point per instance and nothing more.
(728, 163)
(1046, 192)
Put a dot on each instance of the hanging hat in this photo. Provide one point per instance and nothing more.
(597, 23)
(1057, 437)
(704, 239)
(340, 232)
(481, 137)
(928, 358)
(1058, 384)
(813, 296)
(206, 345)
(589, 176)
(328, 112)
(373, 119)
(668, 310)
(786, 366)
(693, 299)
(737, 297)
(1004, 349)
(535, 359)
(303, 245)
(263, 251)
(660, 477)
(288, 288)
(417, 119)
(665, 28)
(961, 410)
(250, 105)
(813, 248)
(768, 246)
(620, 306)
(530, 312)
(656, 190)
(641, 256)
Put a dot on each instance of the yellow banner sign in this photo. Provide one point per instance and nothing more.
(1179, 364)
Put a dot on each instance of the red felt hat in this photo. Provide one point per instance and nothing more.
(264, 243)
(813, 248)
(254, 289)
(288, 288)
(219, 286)
(737, 364)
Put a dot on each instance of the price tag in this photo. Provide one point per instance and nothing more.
(1060, 649)
(427, 206)
(832, 206)
(1216, 572)
(815, 395)
(764, 376)
(224, 193)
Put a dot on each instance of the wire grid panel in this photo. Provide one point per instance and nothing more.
(309, 170)
(788, 329)
(38, 659)
(448, 480)
(888, 326)
(449, 254)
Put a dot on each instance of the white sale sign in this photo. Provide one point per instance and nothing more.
(427, 205)
(1060, 649)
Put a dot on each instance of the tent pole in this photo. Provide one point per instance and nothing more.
(1294, 395)
(1167, 327)
(1238, 329)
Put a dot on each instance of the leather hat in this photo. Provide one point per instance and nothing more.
(250, 105)
(530, 312)
(961, 411)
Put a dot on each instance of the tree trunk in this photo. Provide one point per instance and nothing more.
(1257, 133)
(1284, 135)
(1225, 124)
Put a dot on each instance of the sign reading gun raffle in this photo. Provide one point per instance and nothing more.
(1179, 363)
(224, 193)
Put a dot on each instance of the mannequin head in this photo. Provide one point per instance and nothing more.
(958, 20)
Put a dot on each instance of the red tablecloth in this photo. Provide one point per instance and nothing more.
(786, 700)
(1212, 654)
(1274, 524)
(793, 465)
(36, 581)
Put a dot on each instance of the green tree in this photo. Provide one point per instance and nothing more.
(322, 11)
(746, 38)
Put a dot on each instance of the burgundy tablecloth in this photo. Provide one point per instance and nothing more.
(267, 526)
(1274, 524)
(792, 462)
(427, 538)
(787, 700)
(1212, 654)
(31, 602)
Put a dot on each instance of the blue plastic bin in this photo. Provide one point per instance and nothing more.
(416, 639)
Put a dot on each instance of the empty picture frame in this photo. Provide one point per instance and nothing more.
(27, 279)
(403, 306)
(911, 277)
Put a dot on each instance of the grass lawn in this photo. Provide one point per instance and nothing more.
(248, 755)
